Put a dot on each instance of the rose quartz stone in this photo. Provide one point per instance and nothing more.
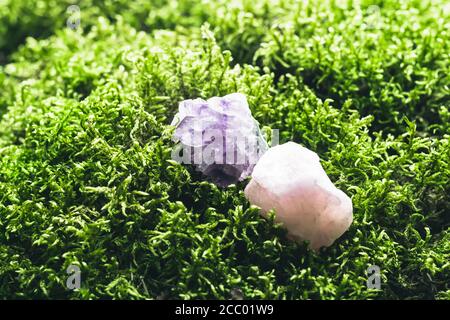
(290, 179)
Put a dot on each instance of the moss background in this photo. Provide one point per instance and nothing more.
(86, 176)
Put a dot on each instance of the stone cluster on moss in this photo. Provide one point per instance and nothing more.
(86, 175)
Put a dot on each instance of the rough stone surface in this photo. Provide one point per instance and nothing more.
(221, 136)
(290, 179)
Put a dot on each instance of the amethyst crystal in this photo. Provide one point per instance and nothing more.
(219, 136)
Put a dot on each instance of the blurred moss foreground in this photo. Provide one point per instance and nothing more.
(86, 176)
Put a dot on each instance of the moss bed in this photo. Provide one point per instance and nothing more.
(86, 176)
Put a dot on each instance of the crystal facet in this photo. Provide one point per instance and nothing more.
(220, 137)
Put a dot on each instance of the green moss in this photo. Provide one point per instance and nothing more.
(86, 175)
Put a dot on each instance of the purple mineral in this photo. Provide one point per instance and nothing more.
(219, 136)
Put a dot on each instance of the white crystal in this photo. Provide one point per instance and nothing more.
(290, 179)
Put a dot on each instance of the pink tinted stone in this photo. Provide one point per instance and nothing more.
(290, 179)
